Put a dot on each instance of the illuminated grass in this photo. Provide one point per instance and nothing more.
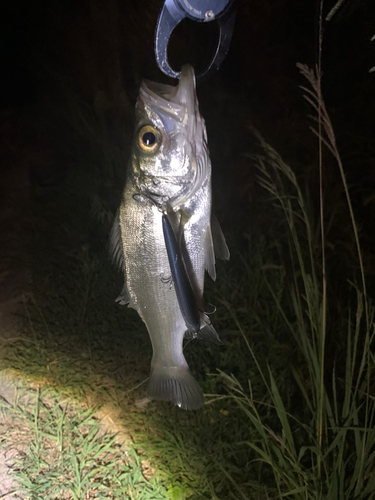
(78, 345)
(62, 452)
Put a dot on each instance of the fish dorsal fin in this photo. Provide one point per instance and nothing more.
(209, 253)
(115, 244)
(220, 245)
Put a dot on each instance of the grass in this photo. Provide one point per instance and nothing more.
(62, 452)
(323, 446)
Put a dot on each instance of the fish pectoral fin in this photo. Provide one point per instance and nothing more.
(206, 332)
(115, 244)
(209, 254)
(117, 256)
(177, 385)
(124, 297)
(220, 245)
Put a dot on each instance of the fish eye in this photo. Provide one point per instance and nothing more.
(149, 139)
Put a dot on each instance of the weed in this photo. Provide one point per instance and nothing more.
(63, 453)
(323, 447)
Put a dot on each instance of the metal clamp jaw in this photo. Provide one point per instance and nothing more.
(174, 11)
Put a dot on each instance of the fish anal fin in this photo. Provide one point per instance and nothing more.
(177, 385)
(206, 332)
(218, 238)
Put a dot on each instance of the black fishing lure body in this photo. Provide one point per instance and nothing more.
(183, 288)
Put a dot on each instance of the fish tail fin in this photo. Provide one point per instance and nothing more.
(177, 385)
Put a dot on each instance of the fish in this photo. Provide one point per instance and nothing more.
(166, 207)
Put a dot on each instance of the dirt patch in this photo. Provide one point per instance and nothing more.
(8, 486)
(9, 454)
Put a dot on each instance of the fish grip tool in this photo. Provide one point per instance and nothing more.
(174, 11)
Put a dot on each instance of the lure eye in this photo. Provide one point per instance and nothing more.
(149, 139)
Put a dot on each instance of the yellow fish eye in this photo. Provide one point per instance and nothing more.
(149, 139)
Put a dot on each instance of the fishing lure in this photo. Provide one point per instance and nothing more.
(184, 291)
(198, 324)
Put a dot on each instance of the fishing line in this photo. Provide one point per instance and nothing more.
(138, 385)
(187, 343)
(212, 312)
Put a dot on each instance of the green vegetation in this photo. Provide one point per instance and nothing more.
(62, 453)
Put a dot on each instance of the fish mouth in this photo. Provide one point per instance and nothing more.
(173, 104)
(178, 109)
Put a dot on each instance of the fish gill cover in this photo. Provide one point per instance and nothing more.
(178, 109)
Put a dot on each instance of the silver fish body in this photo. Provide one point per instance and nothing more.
(169, 172)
